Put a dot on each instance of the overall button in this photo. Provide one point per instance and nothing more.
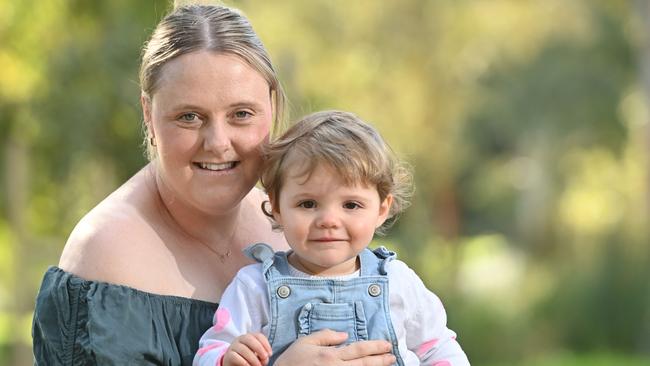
(284, 291)
(374, 290)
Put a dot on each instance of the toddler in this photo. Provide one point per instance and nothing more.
(332, 183)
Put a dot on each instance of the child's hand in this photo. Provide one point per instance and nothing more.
(251, 349)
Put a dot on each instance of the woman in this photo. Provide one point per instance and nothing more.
(141, 274)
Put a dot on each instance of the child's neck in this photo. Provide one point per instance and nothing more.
(315, 270)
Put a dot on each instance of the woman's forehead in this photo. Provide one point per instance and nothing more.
(205, 72)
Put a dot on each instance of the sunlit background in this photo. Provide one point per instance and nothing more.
(526, 122)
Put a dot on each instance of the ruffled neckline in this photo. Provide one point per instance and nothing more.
(165, 298)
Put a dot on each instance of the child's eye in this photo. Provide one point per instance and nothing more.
(352, 205)
(307, 204)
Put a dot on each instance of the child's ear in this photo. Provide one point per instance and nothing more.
(384, 209)
(278, 218)
(275, 214)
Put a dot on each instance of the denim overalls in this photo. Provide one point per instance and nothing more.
(301, 306)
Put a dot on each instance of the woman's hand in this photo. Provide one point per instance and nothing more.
(316, 350)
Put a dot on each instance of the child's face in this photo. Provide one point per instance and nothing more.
(326, 222)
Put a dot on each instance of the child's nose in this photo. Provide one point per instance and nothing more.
(328, 219)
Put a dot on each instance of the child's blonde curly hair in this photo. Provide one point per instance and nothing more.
(353, 148)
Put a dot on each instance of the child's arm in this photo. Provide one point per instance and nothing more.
(250, 349)
(242, 312)
(426, 325)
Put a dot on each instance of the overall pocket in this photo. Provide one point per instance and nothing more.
(345, 317)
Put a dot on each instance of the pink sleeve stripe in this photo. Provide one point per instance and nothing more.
(221, 319)
(214, 345)
(442, 363)
(426, 346)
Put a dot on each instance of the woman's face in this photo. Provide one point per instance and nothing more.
(208, 117)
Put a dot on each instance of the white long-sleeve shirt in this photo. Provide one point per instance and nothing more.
(418, 316)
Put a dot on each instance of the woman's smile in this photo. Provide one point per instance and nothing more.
(217, 167)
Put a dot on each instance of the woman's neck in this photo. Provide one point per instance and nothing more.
(215, 230)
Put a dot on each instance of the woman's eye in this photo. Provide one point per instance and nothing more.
(188, 117)
(307, 204)
(351, 205)
(242, 114)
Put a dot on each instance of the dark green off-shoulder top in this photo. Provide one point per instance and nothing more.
(80, 322)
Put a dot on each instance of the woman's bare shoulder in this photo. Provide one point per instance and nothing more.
(107, 242)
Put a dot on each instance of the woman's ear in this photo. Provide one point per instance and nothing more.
(384, 210)
(145, 102)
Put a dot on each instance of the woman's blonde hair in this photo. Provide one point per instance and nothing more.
(353, 148)
(216, 28)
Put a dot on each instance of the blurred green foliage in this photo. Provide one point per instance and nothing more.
(526, 123)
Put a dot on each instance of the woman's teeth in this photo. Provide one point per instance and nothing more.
(213, 166)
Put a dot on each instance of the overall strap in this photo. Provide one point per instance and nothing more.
(280, 265)
(259, 252)
(373, 262)
(273, 263)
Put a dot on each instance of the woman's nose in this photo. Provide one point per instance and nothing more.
(216, 137)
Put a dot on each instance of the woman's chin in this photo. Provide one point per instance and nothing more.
(220, 201)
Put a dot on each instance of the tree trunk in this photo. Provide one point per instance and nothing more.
(641, 10)
(17, 183)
